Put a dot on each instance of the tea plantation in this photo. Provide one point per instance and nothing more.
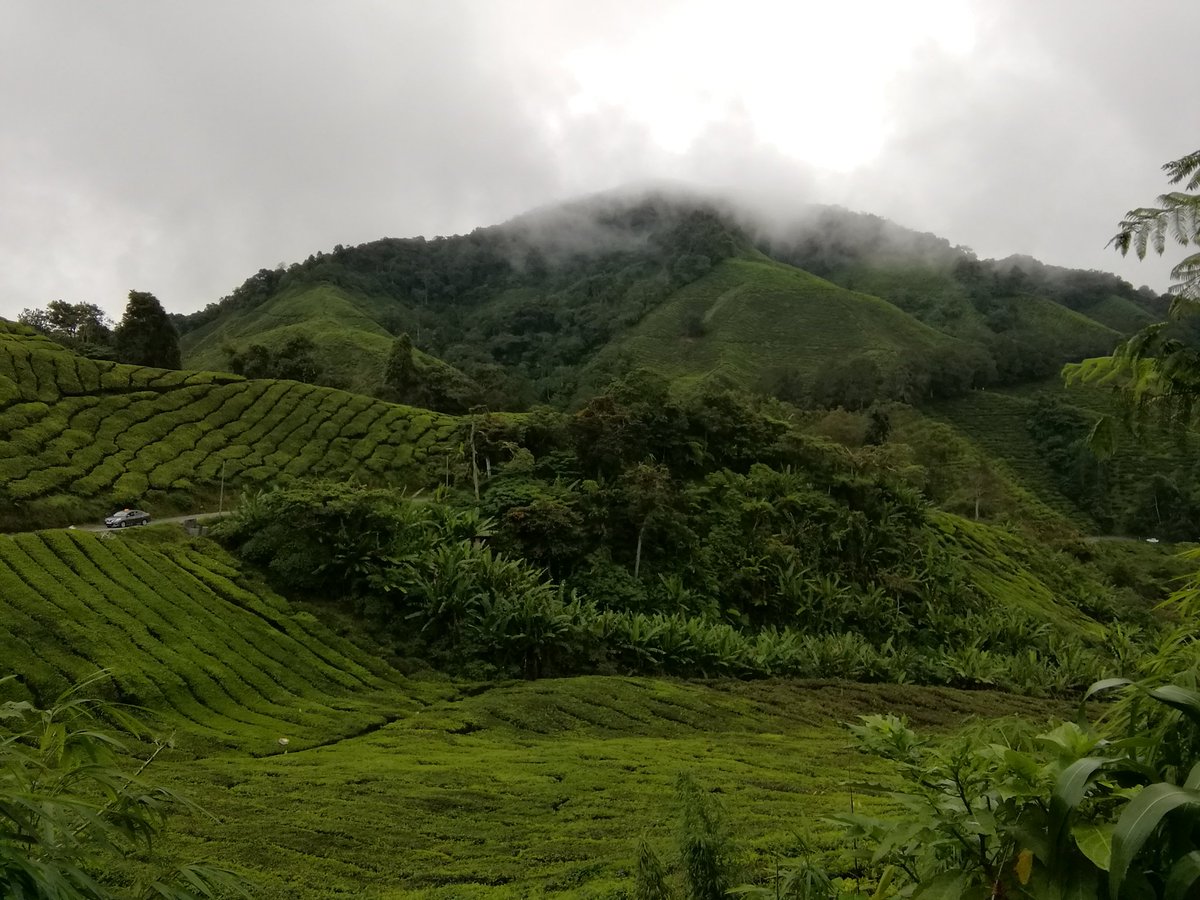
(79, 436)
(186, 635)
(398, 786)
(543, 788)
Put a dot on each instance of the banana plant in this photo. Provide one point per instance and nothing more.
(1072, 815)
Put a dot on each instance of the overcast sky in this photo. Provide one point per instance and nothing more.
(179, 147)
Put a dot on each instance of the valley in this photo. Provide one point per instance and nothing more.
(535, 533)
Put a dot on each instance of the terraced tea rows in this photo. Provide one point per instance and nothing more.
(543, 788)
(748, 320)
(79, 435)
(999, 422)
(184, 634)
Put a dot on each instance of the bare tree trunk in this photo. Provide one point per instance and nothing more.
(474, 461)
(637, 558)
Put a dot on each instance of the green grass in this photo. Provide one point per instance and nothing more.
(79, 436)
(397, 786)
(532, 789)
(1015, 573)
(351, 345)
(760, 318)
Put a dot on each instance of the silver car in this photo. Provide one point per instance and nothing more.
(127, 517)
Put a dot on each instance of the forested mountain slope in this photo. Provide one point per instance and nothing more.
(533, 309)
(752, 322)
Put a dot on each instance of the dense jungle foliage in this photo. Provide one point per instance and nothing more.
(698, 536)
(528, 309)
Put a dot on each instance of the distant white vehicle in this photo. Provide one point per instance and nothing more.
(1151, 540)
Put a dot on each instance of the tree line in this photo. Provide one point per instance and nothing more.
(145, 335)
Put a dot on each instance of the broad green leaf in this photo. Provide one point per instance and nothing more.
(1104, 685)
(1071, 787)
(1070, 739)
(1193, 779)
(1094, 841)
(1184, 877)
(947, 886)
(1139, 820)
(1187, 702)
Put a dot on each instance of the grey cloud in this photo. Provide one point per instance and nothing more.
(178, 148)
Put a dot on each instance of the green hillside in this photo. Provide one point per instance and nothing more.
(399, 787)
(542, 308)
(1060, 469)
(79, 436)
(997, 422)
(543, 789)
(747, 321)
(187, 635)
(351, 345)
(345, 323)
(1120, 314)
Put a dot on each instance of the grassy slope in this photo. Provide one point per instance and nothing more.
(1120, 314)
(760, 318)
(187, 635)
(1075, 329)
(996, 421)
(544, 788)
(352, 345)
(344, 325)
(933, 295)
(78, 436)
(531, 789)
(395, 787)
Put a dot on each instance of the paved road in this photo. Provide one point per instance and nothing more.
(177, 520)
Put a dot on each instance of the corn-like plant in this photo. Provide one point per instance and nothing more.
(71, 809)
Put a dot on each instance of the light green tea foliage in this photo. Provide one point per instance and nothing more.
(80, 436)
(186, 634)
(542, 788)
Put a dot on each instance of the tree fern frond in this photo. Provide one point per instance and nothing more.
(1179, 169)
(1187, 279)
(1183, 305)
(1153, 371)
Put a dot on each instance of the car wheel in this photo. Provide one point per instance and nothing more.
(123, 524)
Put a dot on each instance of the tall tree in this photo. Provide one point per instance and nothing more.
(146, 336)
(400, 375)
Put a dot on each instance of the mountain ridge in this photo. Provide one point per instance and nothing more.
(524, 309)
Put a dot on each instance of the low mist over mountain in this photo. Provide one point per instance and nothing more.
(828, 305)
